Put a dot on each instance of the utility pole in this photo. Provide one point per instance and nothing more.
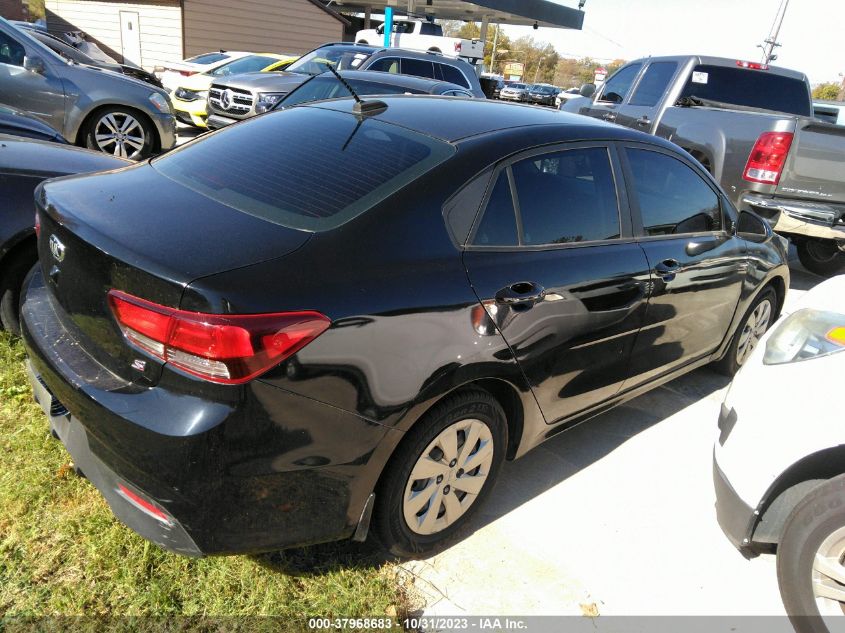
(539, 63)
(771, 43)
(493, 54)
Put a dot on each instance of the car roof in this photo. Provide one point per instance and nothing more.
(453, 119)
(395, 50)
(408, 81)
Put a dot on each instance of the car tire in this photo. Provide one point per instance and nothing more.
(822, 257)
(408, 531)
(11, 282)
(122, 132)
(756, 322)
(809, 557)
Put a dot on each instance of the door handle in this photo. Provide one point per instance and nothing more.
(667, 269)
(523, 293)
(610, 116)
(644, 121)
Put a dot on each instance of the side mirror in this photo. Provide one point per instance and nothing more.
(33, 64)
(752, 227)
(587, 90)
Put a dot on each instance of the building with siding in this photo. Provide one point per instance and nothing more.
(154, 32)
(12, 9)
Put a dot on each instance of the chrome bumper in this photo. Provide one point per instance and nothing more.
(796, 217)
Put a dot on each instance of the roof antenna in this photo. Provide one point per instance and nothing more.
(361, 107)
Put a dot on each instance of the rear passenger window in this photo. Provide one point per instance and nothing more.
(385, 65)
(498, 226)
(567, 197)
(673, 199)
(653, 84)
(453, 75)
(418, 68)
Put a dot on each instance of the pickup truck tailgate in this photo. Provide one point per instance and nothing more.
(815, 167)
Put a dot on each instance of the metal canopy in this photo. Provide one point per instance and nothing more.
(524, 12)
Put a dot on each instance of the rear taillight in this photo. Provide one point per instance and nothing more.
(187, 73)
(222, 348)
(37, 224)
(752, 65)
(145, 506)
(767, 159)
(458, 47)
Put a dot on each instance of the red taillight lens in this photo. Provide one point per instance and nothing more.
(223, 348)
(768, 157)
(752, 65)
(37, 224)
(458, 47)
(147, 507)
(187, 73)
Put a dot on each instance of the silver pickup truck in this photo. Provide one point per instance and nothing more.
(751, 126)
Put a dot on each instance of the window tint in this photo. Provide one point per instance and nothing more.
(418, 68)
(332, 166)
(385, 65)
(453, 75)
(253, 63)
(746, 87)
(498, 226)
(653, 84)
(567, 197)
(617, 87)
(340, 57)
(208, 58)
(673, 198)
(321, 88)
(10, 51)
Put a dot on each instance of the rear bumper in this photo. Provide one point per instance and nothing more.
(262, 470)
(798, 217)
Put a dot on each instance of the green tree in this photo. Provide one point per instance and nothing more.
(828, 91)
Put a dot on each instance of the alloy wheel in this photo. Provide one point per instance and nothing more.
(448, 477)
(120, 134)
(755, 327)
(828, 574)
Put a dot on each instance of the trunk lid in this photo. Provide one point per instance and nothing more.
(139, 232)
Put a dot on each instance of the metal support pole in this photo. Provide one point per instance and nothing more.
(388, 26)
(368, 12)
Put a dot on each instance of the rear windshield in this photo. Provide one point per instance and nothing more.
(320, 88)
(208, 58)
(304, 168)
(339, 57)
(752, 88)
(250, 64)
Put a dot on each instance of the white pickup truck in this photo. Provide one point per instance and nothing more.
(422, 35)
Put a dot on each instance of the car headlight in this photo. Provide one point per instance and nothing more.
(160, 102)
(267, 101)
(804, 335)
(190, 95)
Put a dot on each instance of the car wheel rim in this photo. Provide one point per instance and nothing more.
(448, 477)
(754, 329)
(120, 134)
(828, 575)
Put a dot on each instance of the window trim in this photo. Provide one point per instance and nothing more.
(636, 212)
(626, 230)
(634, 82)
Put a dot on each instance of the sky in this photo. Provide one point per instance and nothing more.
(813, 33)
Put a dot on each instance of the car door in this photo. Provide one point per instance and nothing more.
(40, 94)
(553, 260)
(612, 94)
(686, 229)
(640, 111)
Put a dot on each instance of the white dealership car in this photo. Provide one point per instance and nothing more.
(173, 74)
(779, 459)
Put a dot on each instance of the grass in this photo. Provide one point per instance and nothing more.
(63, 553)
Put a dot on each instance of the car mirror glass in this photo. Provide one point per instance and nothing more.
(752, 227)
(587, 90)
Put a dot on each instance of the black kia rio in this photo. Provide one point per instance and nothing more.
(333, 320)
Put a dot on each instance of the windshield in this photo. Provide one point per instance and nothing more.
(518, 86)
(750, 88)
(253, 63)
(341, 57)
(331, 167)
(208, 58)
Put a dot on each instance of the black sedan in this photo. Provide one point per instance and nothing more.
(30, 151)
(338, 318)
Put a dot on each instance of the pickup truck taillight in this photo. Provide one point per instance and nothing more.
(768, 157)
(458, 46)
(221, 348)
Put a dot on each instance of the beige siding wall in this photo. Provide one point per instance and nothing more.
(263, 26)
(160, 24)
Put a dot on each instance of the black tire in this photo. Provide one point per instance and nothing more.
(150, 138)
(363, 42)
(389, 524)
(11, 282)
(730, 363)
(819, 515)
(822, 257)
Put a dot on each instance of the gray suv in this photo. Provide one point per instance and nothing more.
(95, 108)
(242, 96)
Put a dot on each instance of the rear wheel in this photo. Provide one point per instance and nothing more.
(811, 573)
(822, 257)
(120, 132)
(440, 475)
(756, 322)
(11, 282)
